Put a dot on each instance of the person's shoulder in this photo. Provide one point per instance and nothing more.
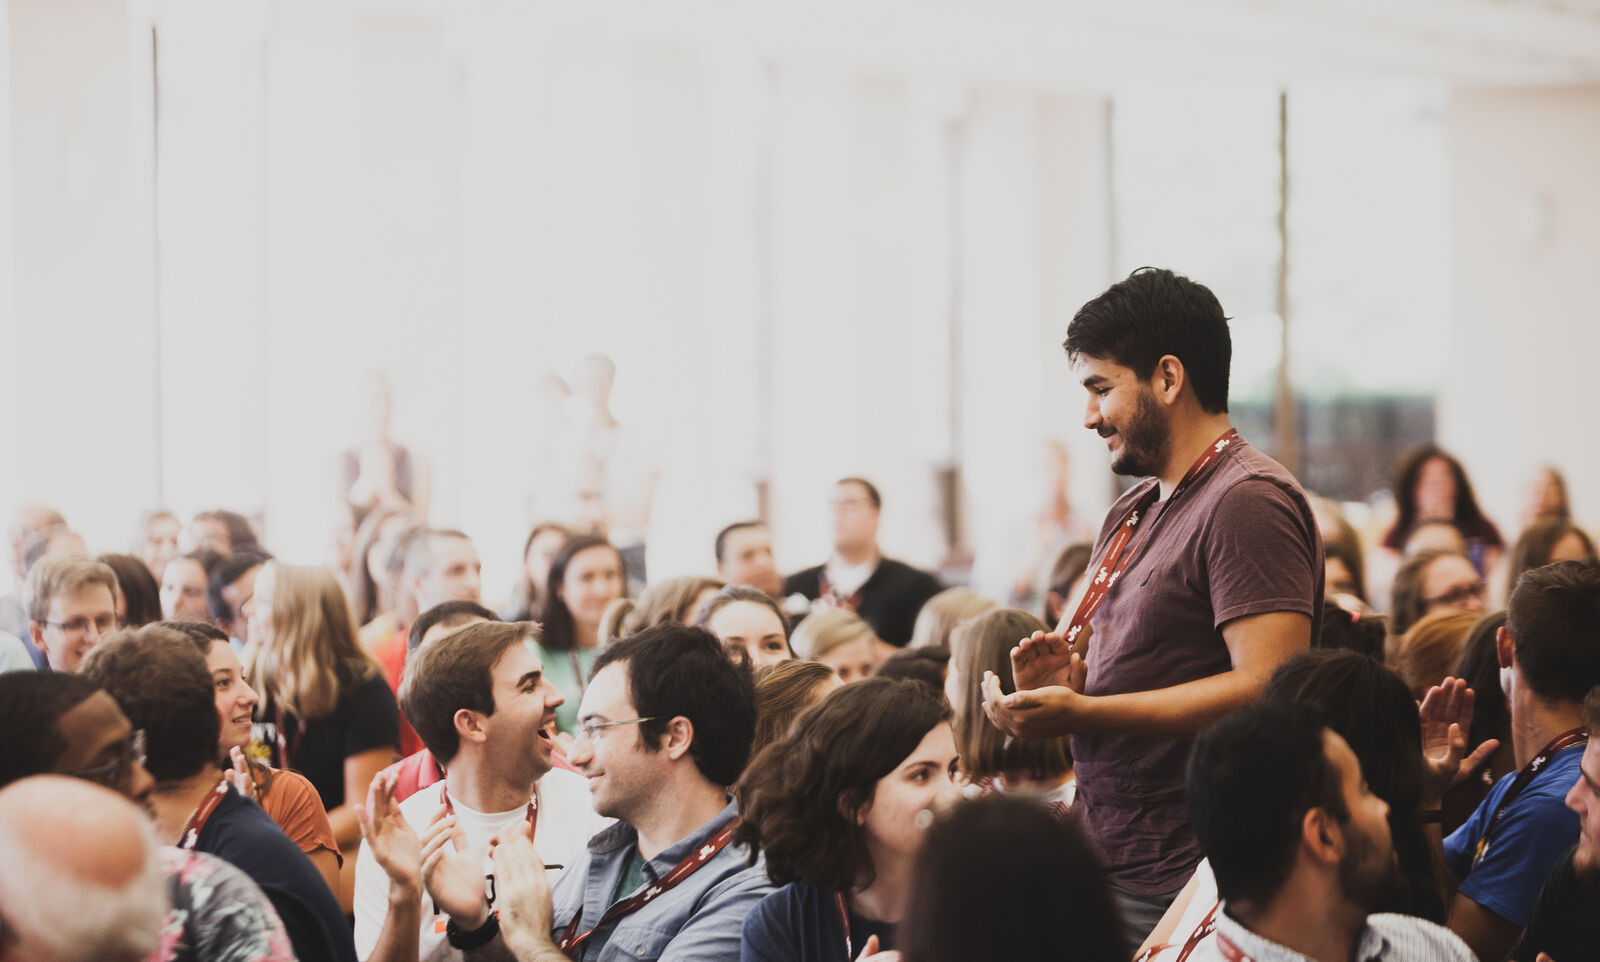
(804, 580)
(1411, 938)
(420, 807)
(899, 571)
(781, 908)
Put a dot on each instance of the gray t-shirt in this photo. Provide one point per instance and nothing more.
(1240, 541)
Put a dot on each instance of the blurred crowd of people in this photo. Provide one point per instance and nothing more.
(1221, 723)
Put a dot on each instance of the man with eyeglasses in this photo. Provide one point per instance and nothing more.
(62, 724)
(480, 701)
(71, 603)
(665, 726)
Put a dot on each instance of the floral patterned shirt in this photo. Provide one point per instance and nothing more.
(218, 914)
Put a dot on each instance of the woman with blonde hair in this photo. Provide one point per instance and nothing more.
(326, 710)
(1429, 652)
(990, 760)
(839, 639)
(670, 600)
(943, 612)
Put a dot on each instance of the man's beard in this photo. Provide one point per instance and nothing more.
(1146, 439)
(1371, 878)
(1586, 862)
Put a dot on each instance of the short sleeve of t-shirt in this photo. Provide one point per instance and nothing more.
(1260, 557)
(297, 808)
(368, 716)
(1535, 831)
(800, 923)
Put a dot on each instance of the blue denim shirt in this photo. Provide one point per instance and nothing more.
(699, 919)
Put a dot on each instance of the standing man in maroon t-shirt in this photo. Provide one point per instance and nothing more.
(1206, 577)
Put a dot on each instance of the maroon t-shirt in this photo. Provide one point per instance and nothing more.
(1240, 541)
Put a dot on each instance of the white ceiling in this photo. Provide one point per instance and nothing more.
(1103, 43)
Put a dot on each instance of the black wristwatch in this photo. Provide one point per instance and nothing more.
(476, 939)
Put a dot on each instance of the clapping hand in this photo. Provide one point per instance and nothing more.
(1446, 717)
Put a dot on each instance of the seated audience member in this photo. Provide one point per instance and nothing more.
(989, 760)
(1546, 498)
(71, 603)
(1299, 846)
(839, 639)
(326, 710)
(224, 532)
(66, 725)
(744, 557)
(1047, 899)
(538, 551)
(1429, 651)
(156, 541)
(783, 691)
(887, 594)
(230, 586)
(747, 620)
(929, 665)
(586, 575)
(138, 595)
(420, 769)
(183, 586)
(440, 565)
(1370, 707)
(1065, 576)
(80, 874)
(482, 705)
(1434, 581)
(839, 811)
(1565, 921)
(943, 612)
(1546, 542)
(672, 600)
(1342, 628)
(1430, 485)
(286, 796)
(162, 684)
(665, 726)
(1510, 844)
(375, 572)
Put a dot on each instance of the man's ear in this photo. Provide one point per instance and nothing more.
(1322, 836)
(1505, 647)
(36, 632)
(469, 725)
(1168, 379)
(679, 736)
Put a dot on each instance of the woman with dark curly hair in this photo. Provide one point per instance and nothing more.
(840, 810)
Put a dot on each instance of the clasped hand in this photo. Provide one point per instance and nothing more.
(1049, 698)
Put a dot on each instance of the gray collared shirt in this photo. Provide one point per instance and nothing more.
(699, 919)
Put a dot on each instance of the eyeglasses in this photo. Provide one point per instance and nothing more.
(112, 773)
(80, 626)
(588, 728)
(1460, 594)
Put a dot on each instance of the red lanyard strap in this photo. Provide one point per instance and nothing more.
(200, 816)
(844, 921)
(1207, 926)
(1563, 741)
(1117, 557)
(570, 939)
(1230, 951)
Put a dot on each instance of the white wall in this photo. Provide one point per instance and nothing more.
(1519, 387)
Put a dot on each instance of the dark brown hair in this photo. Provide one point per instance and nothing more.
(1534, 546)
(560, 630)
(799, 798)
(455, 673)
(163, 685)
(138, 587)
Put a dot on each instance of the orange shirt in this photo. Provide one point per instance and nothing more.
(297, 808)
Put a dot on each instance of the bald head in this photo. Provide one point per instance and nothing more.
(80, 872)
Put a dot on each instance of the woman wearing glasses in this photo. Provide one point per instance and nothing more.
(840, 810)
(1433, 581)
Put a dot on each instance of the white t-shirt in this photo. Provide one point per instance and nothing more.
(567, 821)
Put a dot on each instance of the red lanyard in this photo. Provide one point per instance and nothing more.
(1117, 557)
(1230, 951)
(1207, 926)
(533, 808)
(570, 939)
(199, 817)
(1562, 742)
(844, 921)
(285, 752)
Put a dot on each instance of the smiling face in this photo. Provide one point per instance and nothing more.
(623, 774)
(99, 736)
(754, 628)
(236, 700)
(524, 707)
(592, 581)
(1124, 410)
(1369, 869)
(1584, 798)
(903, 803)
(73, 625)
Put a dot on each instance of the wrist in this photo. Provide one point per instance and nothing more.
(470, 921)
